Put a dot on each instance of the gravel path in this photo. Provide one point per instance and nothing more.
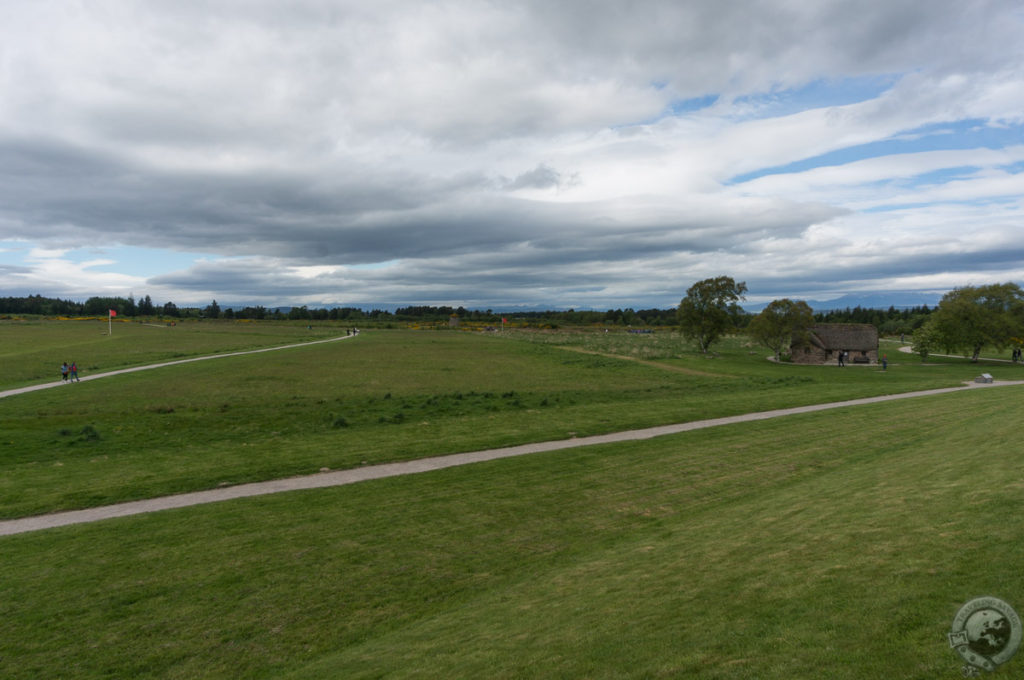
(908, 349)
(341, 477)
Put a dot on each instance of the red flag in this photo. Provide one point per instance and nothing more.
(113, 313)
(504, 320)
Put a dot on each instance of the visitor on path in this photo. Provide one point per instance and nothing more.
(74, 371)
(64, 371)
(842, 357)
(885, 362)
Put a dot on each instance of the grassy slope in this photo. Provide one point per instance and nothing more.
(383, 396)
(823, 545)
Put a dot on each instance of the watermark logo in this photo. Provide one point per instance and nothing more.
(986, 633)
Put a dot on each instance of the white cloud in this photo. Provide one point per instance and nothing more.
(531, 146)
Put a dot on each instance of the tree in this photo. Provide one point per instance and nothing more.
(145, 306)
(707, 312)
(212, 310)
(925, 339)
(99, 306)
(972, 317)
(777, 323)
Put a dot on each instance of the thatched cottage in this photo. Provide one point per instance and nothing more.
(823, 342)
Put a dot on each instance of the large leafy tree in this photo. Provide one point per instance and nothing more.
(777, 323)
(709, 309)
(973, 317)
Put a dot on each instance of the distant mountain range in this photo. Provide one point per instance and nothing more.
(897, 298)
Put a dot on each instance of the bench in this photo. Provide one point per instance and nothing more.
(862, 360)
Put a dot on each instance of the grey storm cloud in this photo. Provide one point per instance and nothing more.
(541, 177)
(559, 149)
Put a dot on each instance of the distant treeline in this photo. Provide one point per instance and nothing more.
(129, 307)
(888, 321)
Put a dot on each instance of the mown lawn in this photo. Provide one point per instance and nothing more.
(836, 544)
(383, 396)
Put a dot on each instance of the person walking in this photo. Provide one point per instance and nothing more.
(842, 355)
(74, 372)
(64, 371)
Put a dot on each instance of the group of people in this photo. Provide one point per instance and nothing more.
(1017, 353)
(69, 373)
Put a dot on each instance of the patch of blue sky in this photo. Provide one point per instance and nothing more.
(965, 134)
(941, 176)
(13, 252)
(969, 133)
(135, 261)
(815, 95)
(682, 106)
(676, 107)
(1013, 168)
(984, 201)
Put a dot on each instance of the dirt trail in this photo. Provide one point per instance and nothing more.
(342, 477)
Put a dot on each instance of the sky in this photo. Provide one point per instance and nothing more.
(499, 155)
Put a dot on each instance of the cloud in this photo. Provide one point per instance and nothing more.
(536, 151)
(541, 177)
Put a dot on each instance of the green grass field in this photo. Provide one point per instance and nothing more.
(383, 396)
(832, 544)
(31, 351)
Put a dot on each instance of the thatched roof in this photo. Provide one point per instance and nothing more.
(836, 336)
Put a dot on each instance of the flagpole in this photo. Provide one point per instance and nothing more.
(110, 323)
